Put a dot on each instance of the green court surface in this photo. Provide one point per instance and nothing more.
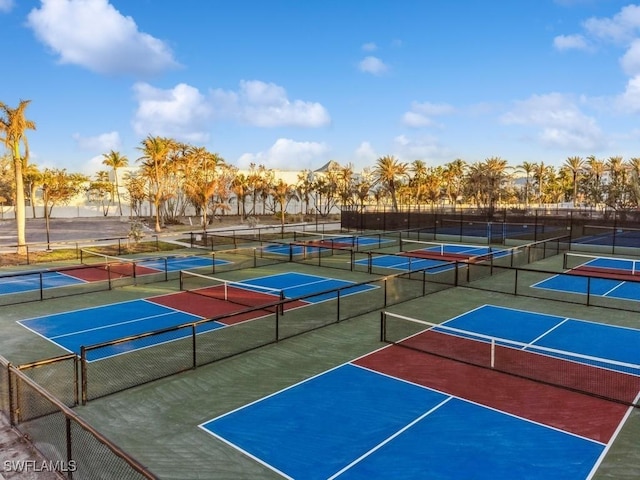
(157, 423)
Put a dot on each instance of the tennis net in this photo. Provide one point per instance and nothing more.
(329, 240)
(604, 378)
(444, 251)
(114, 265)
(594, 265)
(240, 293)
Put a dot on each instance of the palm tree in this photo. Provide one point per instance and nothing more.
(417, 181)
(33, 179)
(282, 193)
(454, 176)
(495, 169)
(155, 154)
(115, 161)
(528, 169)
(388, 172)
(13, 124)
(574, 165)
(595, 171)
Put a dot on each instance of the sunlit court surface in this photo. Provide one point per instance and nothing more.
(345, 356)
(410, 409)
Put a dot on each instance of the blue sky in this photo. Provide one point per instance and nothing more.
(291, 84)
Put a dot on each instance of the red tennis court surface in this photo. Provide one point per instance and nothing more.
(210, 304)
(603, 272)
(99, 273)
(578, 413)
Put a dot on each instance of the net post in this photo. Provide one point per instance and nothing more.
(424, 282)
(515, 283)
(166, 269)
(383, 325)
(353, 259)
(41, 286)
(455, 275)
(181, 281)
(588, 291)
(108, 267)
(213, 262)
(369, 262)
(338, 306)
(565, 261)
(255, 258)
(493, 353)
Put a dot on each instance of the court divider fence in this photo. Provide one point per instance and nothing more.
(68, 444)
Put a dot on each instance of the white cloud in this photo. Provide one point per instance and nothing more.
(369, 47)
(421, 148)
(416, 120)
(287, 154)
(184, 113)
(559, 120)
(629, 100)
(266, 105)
(630, 61)
(570, 42)
(365, 154)
(621, 28)
(421, 114)
(6, 5)
(373, 65)
(181, 112)
(101, 143)
(94, 35)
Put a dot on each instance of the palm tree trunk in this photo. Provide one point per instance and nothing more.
(20, 205)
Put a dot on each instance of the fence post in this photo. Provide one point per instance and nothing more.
(67, 422)
(12, 405)
(194, 356)
(385, 291)
(83, 374)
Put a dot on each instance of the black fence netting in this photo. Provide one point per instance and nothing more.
(69, 445)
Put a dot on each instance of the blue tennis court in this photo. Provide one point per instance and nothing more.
(30, 281)
(426, 258)
(315, 247)
(173, 264)
(314, 288)
(590, 277)
(398, 413)
(407, 264)
(91, 326)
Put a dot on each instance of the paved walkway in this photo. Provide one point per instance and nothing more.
(18, 459)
